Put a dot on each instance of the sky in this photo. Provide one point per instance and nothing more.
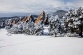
(32, 6)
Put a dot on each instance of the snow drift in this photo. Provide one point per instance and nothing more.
(20, 44)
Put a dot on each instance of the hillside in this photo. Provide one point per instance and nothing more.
(60, 13)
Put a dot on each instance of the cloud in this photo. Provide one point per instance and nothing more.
(28, 5)
(36, 5)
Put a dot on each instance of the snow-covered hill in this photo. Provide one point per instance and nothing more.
(21, 44)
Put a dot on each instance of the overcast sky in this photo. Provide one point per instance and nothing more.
(36, 5)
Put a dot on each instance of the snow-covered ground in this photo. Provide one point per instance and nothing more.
(21, 44)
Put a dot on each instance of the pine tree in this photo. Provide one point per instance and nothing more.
(54, 25)
(73, 22)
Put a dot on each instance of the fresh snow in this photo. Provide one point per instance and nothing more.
(23, 44)
(46, 30)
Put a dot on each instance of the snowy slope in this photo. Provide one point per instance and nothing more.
(20, 44)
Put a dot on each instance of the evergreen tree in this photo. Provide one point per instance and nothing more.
(73, 22)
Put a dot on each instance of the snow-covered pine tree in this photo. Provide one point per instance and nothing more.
(55, 25)
(73, 22)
